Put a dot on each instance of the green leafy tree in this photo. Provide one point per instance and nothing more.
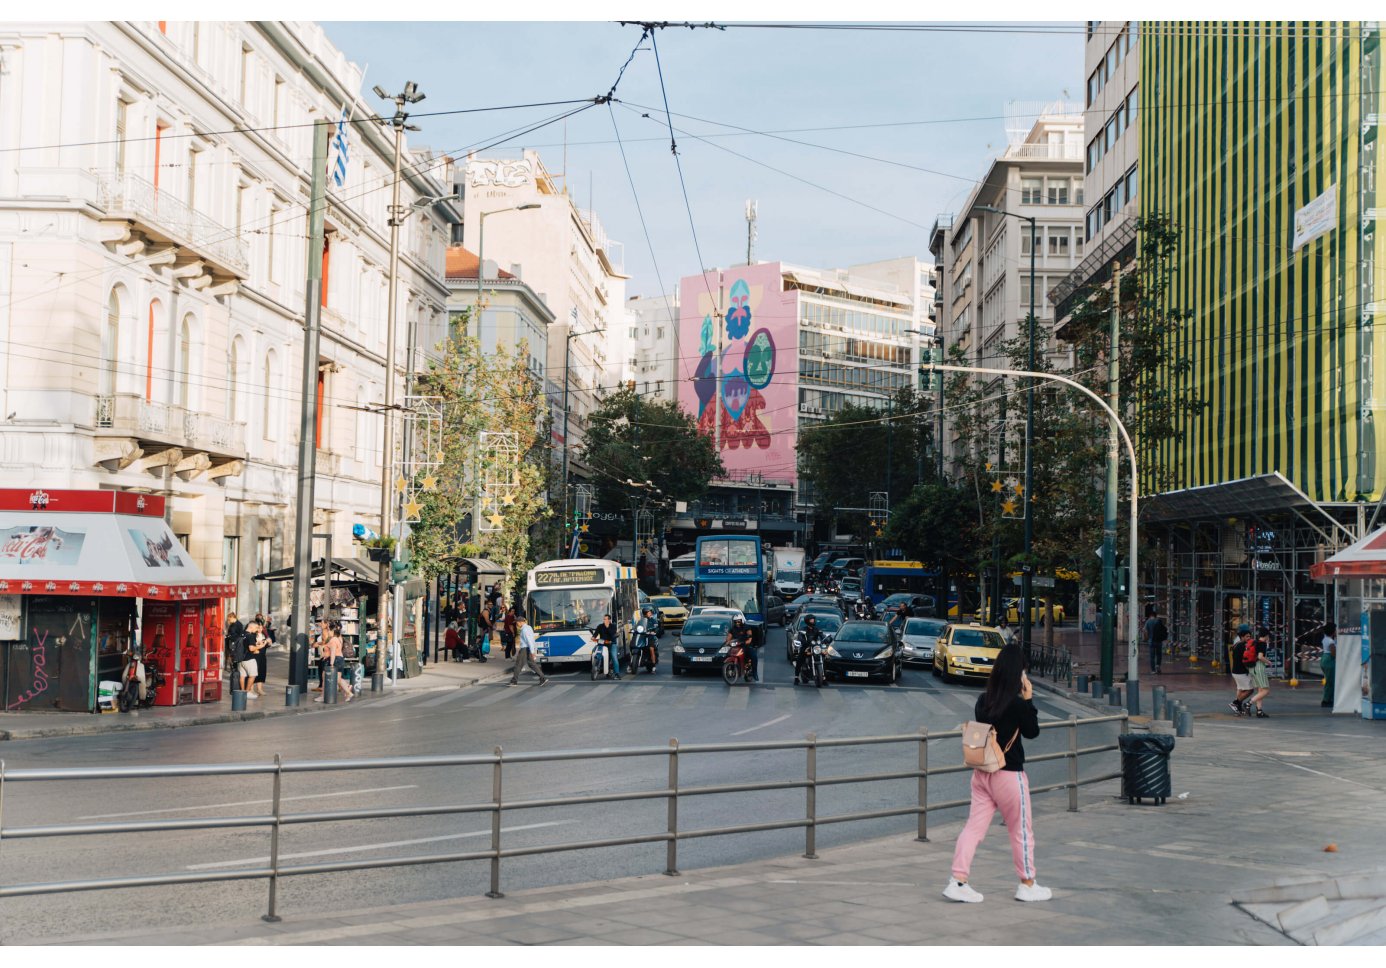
(630, 438)
(495, 393)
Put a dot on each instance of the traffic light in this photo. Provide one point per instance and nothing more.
(400, 572)
(1120, 577)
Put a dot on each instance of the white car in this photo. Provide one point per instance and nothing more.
(735, 613)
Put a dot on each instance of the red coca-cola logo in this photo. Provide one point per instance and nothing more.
(31, 545)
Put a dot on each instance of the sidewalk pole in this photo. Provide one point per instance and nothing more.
(495, 890)
(811, 797)
(923, 835)
(1072, 764)
(271, 917)
(671, 855)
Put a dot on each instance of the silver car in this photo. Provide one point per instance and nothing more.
(917, 643)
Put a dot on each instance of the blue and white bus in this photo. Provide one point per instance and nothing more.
(566, 599)
(682, 569)
(730, 571)
(881, 579)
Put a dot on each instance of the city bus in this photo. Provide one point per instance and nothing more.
(881, 579)
(730, 572)
(566, 599)
(682, 569)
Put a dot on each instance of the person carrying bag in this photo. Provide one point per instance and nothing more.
(999, 782)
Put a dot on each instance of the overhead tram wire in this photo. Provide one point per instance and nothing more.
(640, 210)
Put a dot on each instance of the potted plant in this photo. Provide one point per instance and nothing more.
(380, 548)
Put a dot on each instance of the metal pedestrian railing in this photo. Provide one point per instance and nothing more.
(673, 793)
(1050, 662)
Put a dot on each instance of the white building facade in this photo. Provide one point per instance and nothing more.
(653, 335)
(152, 275)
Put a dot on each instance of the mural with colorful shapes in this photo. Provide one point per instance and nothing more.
(758, 405)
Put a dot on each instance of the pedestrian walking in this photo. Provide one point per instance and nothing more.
(1256, 671)
(1328, 662)
(234, 630)
(524, 653)
(509, 629)
(1236, 664)
(266, 642)
(1155, 635)
(333, 662)
(1008, 706)
(246, 665)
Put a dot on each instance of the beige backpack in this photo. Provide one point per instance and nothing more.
(980, 748)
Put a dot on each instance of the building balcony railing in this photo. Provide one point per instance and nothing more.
(168, 218)
(1045, 152)
(166, 423)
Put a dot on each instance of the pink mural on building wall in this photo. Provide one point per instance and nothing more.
(758, 405)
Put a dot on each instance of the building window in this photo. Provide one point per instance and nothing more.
(1131, 100)
(1078, 195)
(234, 391)
(1025, 242)
(122, 121)
(271, 231)
(1031, 190)
(231, 559)
(247, 69)
(185, 359)
(110, 345)
(281, 91)
(154, 309)
(269, 411)
(264, 561)
(1058, 191)
(1058, 243)
(1110, 133)
(1131, 183)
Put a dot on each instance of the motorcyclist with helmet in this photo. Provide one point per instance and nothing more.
(646, 630)
(809, 636)
(742, 634)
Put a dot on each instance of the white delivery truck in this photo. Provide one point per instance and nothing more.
(789, 571)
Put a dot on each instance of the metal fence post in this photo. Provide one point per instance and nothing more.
(1072, 764)
(811, 797)
(274, 843)
(671, 853)
(495, 890)
(923, 836)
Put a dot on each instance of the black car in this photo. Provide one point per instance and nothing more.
(699, 644)
(864, 650)
(828, 623)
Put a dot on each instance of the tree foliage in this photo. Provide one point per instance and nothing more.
(632, 438)
(484, 392)
(859, 450)
(937, 525)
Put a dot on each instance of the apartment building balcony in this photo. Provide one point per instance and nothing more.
(161, 218)
(1044, 152)
(131, 429)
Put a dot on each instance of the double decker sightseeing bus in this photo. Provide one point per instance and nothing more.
(566, 599)
(730, 572)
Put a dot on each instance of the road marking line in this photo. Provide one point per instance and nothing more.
(445, 698)
(247, 803)
(381, 846)
(1204, 859)
(752, 729)
(1296, 766)
(738, 697)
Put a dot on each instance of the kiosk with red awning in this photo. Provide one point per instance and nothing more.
(87, 578)
(1358, 573)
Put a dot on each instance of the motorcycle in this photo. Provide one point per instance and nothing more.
(647, 653)
(129, 697)
(813, 656)
(736, 665)
(599, 661)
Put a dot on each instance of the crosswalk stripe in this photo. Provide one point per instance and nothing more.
(646, 694)
(738, 698)
(402, 696)
(498, 693)
(692, 696)
(932, 702)
(446, 697)
(598, 693)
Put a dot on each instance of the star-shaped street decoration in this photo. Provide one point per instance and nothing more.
(401, 484)
(412, 509)
(508, 499)
(585, 528)
(990, 465)
(996, 487)
(1018, 488)
(438, 457)
(879, 533)
(496, 520)
(1008, 507)
(430, 483)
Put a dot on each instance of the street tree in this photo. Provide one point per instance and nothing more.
(484, 393)
(632, 438)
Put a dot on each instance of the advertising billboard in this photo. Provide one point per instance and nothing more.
(751, 401)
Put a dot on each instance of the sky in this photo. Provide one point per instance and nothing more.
(921, 112)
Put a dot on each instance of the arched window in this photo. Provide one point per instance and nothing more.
(155, 308)
(185, 362)
(360, 445)
(110, 345)
(268, 390)
(236, 380)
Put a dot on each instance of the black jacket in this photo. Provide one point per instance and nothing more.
(1020, 715)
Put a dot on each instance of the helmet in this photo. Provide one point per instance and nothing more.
(1244, 628)
(649, 610)
(810, 620)
(738, 620)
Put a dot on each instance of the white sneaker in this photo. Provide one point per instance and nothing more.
(1032, 892)
(961, 891)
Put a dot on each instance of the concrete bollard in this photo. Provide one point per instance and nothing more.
(329, 688)
(1157, 697)
(1185, 723)
(1114, 696)
(291, 695)
(1133, 699)
(238, 700)
(1082, 683)
(1098, 689)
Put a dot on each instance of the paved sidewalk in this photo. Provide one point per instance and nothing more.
(437, 676)
(1255, 804)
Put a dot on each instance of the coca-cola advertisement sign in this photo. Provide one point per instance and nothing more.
(40, 545)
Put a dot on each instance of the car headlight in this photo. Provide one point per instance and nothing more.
(827, 648)
(678, 647)
(724, 650)
(886, 652)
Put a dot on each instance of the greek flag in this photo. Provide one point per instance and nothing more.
(339, 145)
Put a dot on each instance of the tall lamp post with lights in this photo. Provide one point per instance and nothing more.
(1027, 568)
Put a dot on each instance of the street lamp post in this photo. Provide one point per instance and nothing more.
(1132, 619)
(1026, 568)
(481, 251)
(567, 359)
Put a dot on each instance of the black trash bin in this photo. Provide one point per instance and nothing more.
(1145, 766)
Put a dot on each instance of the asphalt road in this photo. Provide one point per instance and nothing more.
(571, 712)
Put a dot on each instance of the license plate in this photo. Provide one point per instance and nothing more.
(859, 675)
(702, 658)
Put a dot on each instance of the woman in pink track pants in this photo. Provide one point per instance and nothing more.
(1006, 705)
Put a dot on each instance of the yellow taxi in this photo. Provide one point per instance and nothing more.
(669, 610)
(967, 652)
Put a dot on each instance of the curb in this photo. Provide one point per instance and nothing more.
(1081, 698)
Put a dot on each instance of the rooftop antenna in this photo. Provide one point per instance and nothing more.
(752, 208)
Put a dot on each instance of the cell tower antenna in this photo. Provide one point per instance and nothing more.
(751, 209)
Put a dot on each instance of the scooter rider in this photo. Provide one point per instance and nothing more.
(605, 636)
(645, 633)
(809, 636)
(741, 634)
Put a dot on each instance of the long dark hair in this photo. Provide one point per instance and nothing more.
(1004, 683)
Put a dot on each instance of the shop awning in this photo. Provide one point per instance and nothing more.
(1365, 559)
(123, 555)
(477, 566)
(1263, 494)
(344, 570)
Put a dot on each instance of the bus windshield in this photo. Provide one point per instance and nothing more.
(744, 595)
(552, 609)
